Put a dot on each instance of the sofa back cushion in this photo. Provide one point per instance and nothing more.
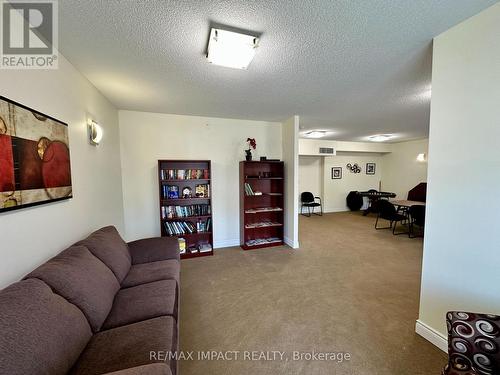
(41, 332)
(83, 280)
(107, 245)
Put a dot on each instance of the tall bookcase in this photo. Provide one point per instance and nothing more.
(261, 204)
(186, 204)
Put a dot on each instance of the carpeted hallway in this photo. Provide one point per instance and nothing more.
(349, 289)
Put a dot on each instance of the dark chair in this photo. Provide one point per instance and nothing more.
(417, 217)
(307, 199)
(418, 193)
(473, 344)
(387, 211)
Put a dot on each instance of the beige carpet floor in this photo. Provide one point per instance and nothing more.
(349, 289)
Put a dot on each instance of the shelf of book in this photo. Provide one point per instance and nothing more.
(185, 180)
(185, 205)
(261, 204)
(186, 217)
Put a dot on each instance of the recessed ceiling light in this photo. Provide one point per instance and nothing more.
(380, 137)
(231, 49)
(315, 134)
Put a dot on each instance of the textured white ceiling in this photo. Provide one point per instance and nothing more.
(354, 67)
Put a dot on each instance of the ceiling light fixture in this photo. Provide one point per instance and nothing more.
(315, 134)
(230, 49)
(380, 137)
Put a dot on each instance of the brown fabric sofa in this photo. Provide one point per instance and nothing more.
(99, 307)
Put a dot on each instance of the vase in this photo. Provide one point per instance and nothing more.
(248, 155)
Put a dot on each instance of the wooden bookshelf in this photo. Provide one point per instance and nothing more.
(178, 212)
(261, 215)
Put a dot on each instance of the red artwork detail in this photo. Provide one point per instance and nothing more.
(7, 181)
(30, 165)
(56, 169)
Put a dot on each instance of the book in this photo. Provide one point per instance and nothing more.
(202, 191)
(184, 174)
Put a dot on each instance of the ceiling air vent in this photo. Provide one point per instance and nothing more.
(326, 151)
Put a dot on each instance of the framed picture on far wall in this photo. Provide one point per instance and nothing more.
(336, 173)
(370, 168)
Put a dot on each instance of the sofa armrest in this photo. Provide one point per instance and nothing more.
(154, 249)
(151, 369)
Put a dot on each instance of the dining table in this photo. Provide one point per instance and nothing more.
(405, 203)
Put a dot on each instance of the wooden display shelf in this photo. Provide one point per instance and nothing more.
(264, 226)
(247, 212)
(269, 204)
(197, 255)
(261, 246)
(190, 167)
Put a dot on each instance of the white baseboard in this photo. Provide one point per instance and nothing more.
(431, 335)
(226, 243)
(292, 244)
(335, 209)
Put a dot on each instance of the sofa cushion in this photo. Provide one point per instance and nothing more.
(152, 369)
(129, 346)
(107, 245)
(40, 332)
(143, 302)
(83, 280)
(154, 271)
(154, 249)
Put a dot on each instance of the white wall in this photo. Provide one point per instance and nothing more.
(462, 246)
(290, 136)
(311, 174)
(401, 170)
(147, 137)
(335, 191)
(30, 236)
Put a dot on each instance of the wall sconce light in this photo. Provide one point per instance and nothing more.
(421, 158)
(95, 132)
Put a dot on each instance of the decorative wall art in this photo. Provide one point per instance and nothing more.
(370, 168)
(354, 168)
(336, 173)
(34, 157)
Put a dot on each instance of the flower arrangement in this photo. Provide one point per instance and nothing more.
(251, 145)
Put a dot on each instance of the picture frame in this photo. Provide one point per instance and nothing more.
(336, 173)
(371, 168)
(35, 165)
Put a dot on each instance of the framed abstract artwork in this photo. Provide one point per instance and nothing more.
(34, 157)
(370, 168)
(336, 173)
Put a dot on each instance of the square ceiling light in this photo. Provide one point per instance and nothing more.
(231, 49)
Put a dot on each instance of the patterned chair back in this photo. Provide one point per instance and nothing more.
(473, 344)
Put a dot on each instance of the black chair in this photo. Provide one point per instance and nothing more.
(387, 211)
(417, 217)
(307, 199)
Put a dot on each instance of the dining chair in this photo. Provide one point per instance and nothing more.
(308, 200)
(416, 216)
(387, 211)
